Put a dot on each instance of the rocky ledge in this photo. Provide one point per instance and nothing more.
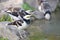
(11, 32)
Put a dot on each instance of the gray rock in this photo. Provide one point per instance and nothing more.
(35, 3)
(8, 3)
(6, 33)
(11, 32)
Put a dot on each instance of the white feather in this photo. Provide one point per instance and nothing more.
(47, 16)
(14, 17)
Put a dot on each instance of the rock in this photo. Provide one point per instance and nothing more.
(6, 33)
(11, 32)
(22, 34)
(53, 4)
(10, 3)
(36, 3)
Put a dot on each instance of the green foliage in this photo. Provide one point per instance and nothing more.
(1, 38)
(5, 18)
(26, 6)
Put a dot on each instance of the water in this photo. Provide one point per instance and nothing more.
(49, 27)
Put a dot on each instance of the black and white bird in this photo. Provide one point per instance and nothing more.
(16, 13)
(21, 24)
(21, 18)
(46, 9)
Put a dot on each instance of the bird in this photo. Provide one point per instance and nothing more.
(20, 16)
(21, 24)
(46, 9)
(21, 20)
(16, 13)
